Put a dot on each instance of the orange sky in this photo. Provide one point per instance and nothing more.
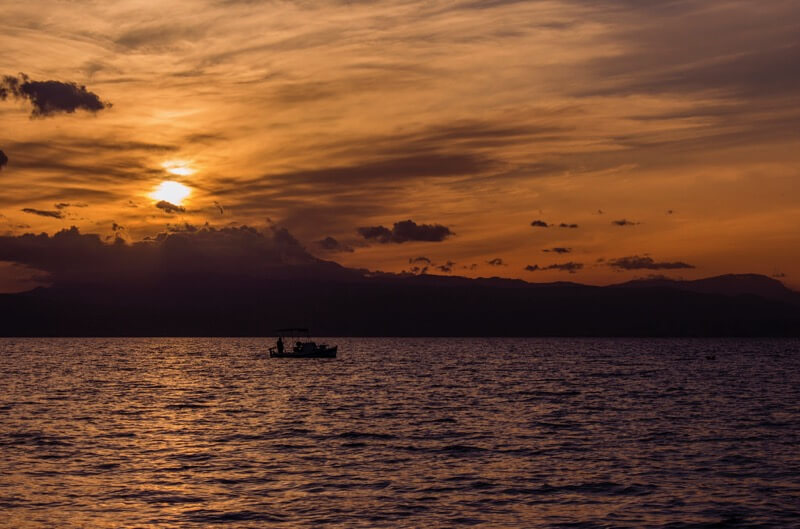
(680, 117)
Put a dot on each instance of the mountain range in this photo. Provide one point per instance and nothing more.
(345, 302)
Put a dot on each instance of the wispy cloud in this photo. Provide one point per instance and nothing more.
(637, 262)
(569, 267)
(55, 214)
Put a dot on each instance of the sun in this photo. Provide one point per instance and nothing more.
(172, 192)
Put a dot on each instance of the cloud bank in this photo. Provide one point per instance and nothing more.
(200, 256)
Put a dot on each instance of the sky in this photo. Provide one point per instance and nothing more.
(594, 141)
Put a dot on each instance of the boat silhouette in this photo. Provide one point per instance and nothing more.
(303, 346)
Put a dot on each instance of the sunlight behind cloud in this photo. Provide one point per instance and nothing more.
(172, 192)
(178, 167)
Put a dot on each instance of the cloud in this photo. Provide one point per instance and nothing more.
(204, 256)
(330, 244)
(169, 207)
(405, 231)
(446, 267)
(624, 222)
(422, 264)
(558, 249)
(497, 261)
(543, 224)
(381, 233)
(51, 97)
(3, 160)
(636, 262)
(181, 228)
(65, 205)
(569, 267)
(44, 213)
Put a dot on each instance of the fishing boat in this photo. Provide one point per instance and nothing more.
(299, 345)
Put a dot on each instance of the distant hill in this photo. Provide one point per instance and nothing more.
(727, 285)
(352, 304)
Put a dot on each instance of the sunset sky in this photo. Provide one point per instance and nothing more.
(594, 141)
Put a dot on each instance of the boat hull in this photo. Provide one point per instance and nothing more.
(327, 352)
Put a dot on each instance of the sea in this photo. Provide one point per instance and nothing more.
(400, 433)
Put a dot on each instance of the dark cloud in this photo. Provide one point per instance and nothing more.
(464, 150)
(446, 267)
(157, 37)
(569, 267)
(169, 207)
(636, 262)
(44, 213)
(751, 73)
(65, 205)
(419, 270)
(182, 228)
(3, 160)
(543, 224)
(422, 264)
(558, 249)
(380, 233)
(204, 256)
(395, 166)
(405, 231)
(330, 244)
(624, 222)
(497, 261)
(51, 97)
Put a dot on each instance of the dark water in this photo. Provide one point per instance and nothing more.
(400, 433)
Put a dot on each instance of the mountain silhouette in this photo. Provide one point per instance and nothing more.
(345, 303)
(728, 285)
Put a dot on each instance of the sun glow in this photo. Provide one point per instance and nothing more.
(178, 167)
(172, 192)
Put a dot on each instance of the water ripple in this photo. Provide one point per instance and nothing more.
(400, 433)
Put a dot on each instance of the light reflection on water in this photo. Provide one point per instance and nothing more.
(400, 433)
